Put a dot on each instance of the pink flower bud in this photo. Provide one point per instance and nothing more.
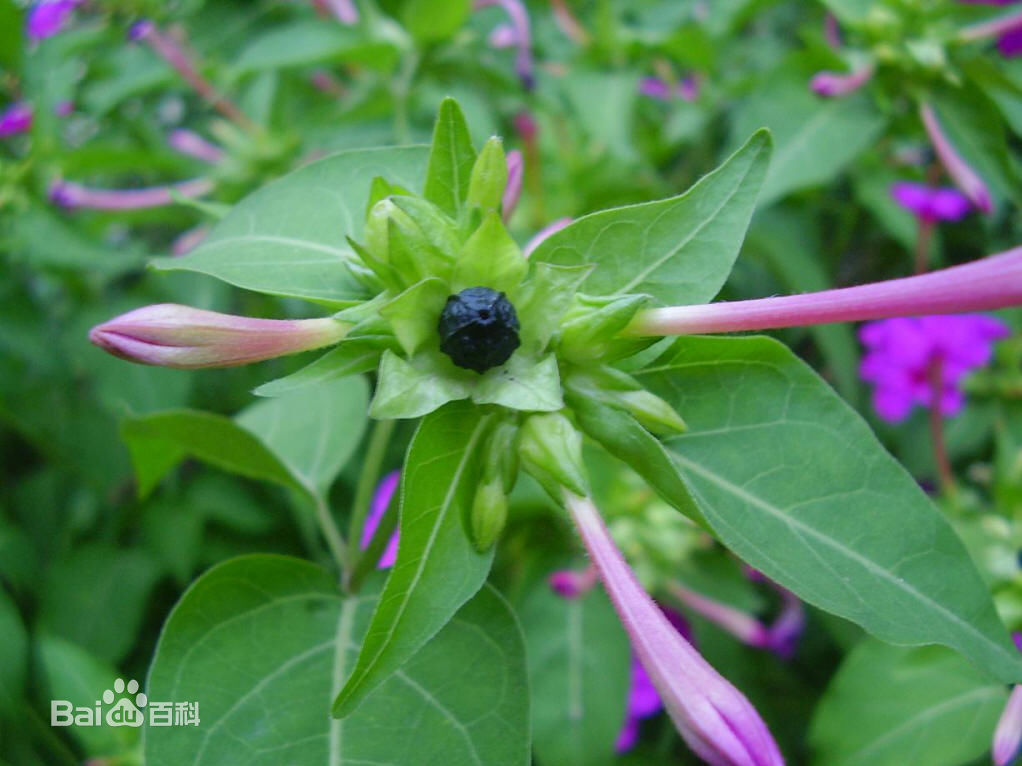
(714, 718)
(567, 583)
(513, 188)
(831, 84)
(1008, 734)
(170, 335)
(191, 143)
(961, 172)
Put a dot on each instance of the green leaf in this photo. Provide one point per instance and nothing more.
(96, 597)
(923, 705)
(850, 11)
(679, 250)
(69, 672)
(434, 20)
(437, 569)
(303, 43)
(545, 299)
(13, 657)
(350, 357)
(263, 644)
(523, 383)
(299, 441)
(625, 439)
(794, 482)
(288, 238)
(490, 258)
(315, 432)
(410, 390)
(579, 664)
(450, 160)
(415, 313)
(815, 138)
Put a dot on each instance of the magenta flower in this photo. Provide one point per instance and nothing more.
(830, 84)
(48, 17)
(643, 702)
(961, 172)
(377, 508)
(908, 356)
(70, 195)
(713, 717)
(931, 204)
(187, 338)
(17, 118)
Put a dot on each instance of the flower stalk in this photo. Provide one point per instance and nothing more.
(994, 282)
(961, 172)
(70, 195)
(169, 335)
(714, 718)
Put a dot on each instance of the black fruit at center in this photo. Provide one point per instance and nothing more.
(479, 329)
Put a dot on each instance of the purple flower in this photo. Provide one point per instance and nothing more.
(931, 204)
(169, 335)
(17, 118)
(48, 17)
(906, 353)
(377, 508)
(714, 718)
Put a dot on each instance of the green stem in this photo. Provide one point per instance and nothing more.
(400, 90)
(371, 470)
(332, 534)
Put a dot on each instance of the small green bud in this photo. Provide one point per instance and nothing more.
(501, 454)
(589, 329)
(489, 176)
(551, 451)
(490, 257)
(613, 387)
(489, 514)
(378, 227)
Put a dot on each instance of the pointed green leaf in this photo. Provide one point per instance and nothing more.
(794, 482)
(415, 313)
(263, 643)
(288, 237)
(437, 569)
(679, 250)
(489, 176)
(490, 258)
(909, 705)
(523, 383)
(451, 158)
(410, 390)
(346, 358)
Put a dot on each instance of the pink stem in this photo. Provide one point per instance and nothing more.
(994, 282)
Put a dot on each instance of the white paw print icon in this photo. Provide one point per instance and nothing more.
(126, 712)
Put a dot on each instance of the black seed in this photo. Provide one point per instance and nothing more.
(478, 329)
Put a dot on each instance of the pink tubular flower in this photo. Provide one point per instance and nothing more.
(520, 37)
(994, 282)
(961, 172)
(904, 354)
(542, 234)
(71, 195)
(714, 718)
(17, 118)
(930, 204)
(1008, 734)
(513, 189)
(48, 17)
(183, 337)
(377, 508)
(830, 84)
(191, 143)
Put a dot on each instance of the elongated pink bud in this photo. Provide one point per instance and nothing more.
(1008, 734)
(191, 143)
(838, 84)
(994, 282)
(170, 335)
(71, 195)
(741, 625)
(993, 28)
(714, 718)
(961, 172)
(547, 231)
